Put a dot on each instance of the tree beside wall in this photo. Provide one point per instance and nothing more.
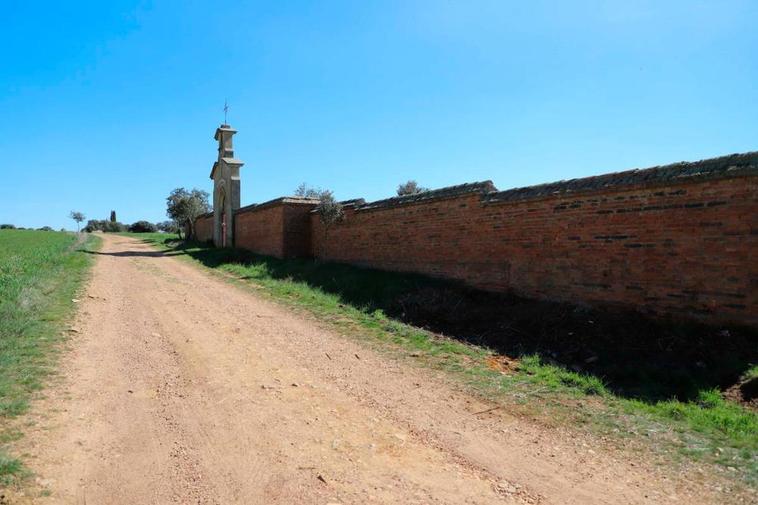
(410, 188)
(306, 191)
(330, 212)
(184, 207)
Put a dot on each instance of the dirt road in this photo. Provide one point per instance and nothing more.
(181, 388)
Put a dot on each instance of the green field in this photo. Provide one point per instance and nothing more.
(700, 426)
(40, 274)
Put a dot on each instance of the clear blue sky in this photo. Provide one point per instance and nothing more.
(111, 104)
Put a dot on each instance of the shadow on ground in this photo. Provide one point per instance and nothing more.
(635, 355)
(133, 254)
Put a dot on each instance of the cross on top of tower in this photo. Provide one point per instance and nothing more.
(226, 110)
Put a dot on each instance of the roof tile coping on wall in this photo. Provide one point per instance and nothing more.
(732, 165)
(355, 202)
(297, 200)
(481, 188)
(348, 204)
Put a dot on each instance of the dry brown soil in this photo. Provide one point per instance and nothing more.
(181, 388)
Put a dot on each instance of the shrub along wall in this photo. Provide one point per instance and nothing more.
(678, 239)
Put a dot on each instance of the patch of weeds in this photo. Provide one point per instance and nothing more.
(10, 468)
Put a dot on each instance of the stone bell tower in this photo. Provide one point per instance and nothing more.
(226, 187)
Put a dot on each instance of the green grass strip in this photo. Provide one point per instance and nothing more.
(40, 274)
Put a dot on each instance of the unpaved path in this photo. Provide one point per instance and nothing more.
(181, 388)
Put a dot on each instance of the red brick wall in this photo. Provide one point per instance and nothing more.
(686, 249)
(297, 230)
(260, 229)
(204, 229)
(278, 228)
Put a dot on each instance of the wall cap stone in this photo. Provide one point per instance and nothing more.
(733, 165)
(282, 200)
(480, 188)
(355, 202)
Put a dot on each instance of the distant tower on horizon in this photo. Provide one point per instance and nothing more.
(226, 186)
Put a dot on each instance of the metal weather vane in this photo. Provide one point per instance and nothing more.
(226, 110)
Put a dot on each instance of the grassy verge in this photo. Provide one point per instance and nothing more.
(40, 273)
(700, 426)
